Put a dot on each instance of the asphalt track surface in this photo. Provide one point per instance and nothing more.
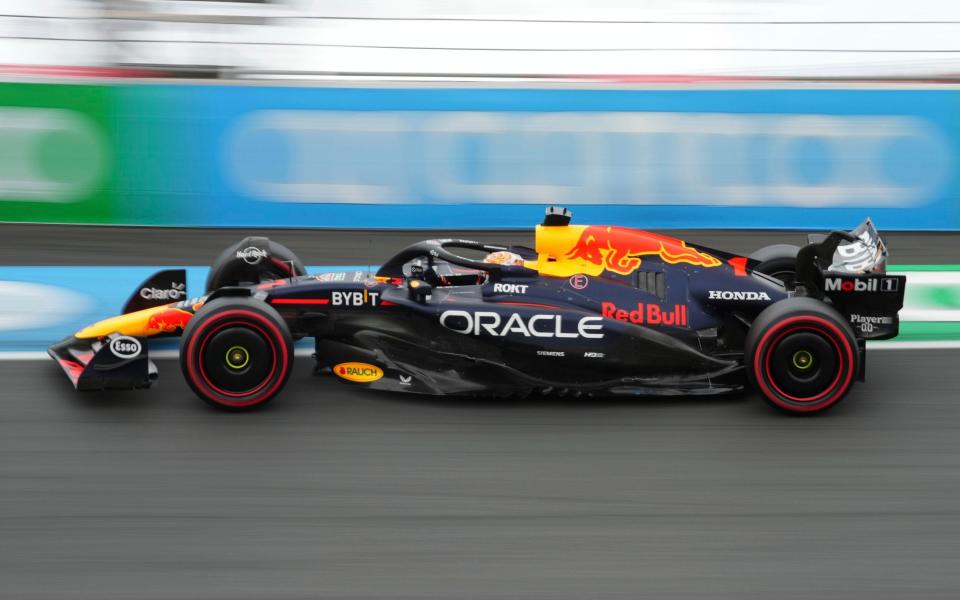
(336, 492)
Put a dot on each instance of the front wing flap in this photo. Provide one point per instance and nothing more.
(119, 362)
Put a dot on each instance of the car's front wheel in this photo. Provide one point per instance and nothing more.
(801, 355)
(236, 353)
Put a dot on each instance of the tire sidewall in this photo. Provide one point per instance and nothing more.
(228, 270)
(777, 265)
(260, 317)
(777, 258)
(797, 314)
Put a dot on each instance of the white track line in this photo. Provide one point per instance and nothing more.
(158, 354)
(170, 354)
(919, 345)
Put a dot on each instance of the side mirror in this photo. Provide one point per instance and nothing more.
(419, 289)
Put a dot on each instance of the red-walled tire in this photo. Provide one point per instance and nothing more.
(236, 353)
(801, 355)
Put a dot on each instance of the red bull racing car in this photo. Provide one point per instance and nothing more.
(590, 310)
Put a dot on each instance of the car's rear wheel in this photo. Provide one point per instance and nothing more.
(801, 355)
(236, 353)
(778, 261)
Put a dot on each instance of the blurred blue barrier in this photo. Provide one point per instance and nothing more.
(249, 155)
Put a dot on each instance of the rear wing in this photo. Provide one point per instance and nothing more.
(864, 253)
(849, 271)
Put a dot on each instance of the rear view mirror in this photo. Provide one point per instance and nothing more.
(419, 289)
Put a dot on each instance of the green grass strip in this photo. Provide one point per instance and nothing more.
(916, 331)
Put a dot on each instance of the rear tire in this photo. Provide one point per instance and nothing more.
(778, 261)
(236, 353)
(801, 355)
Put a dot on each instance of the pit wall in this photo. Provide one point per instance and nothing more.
(414, 157)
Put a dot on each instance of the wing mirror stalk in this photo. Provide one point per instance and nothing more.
(419, 289)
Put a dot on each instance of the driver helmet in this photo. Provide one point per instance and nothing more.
(417, 269)
(504, 258)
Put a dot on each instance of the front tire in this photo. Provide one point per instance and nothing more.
(276, 262)
(801, 355)
(236, 353)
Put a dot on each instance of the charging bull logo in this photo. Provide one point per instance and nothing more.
(619, 249)
(167, 320)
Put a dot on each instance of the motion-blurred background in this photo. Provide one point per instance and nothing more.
(687, 113)
(210, 120)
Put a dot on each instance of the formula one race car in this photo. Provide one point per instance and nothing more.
(592, 310)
